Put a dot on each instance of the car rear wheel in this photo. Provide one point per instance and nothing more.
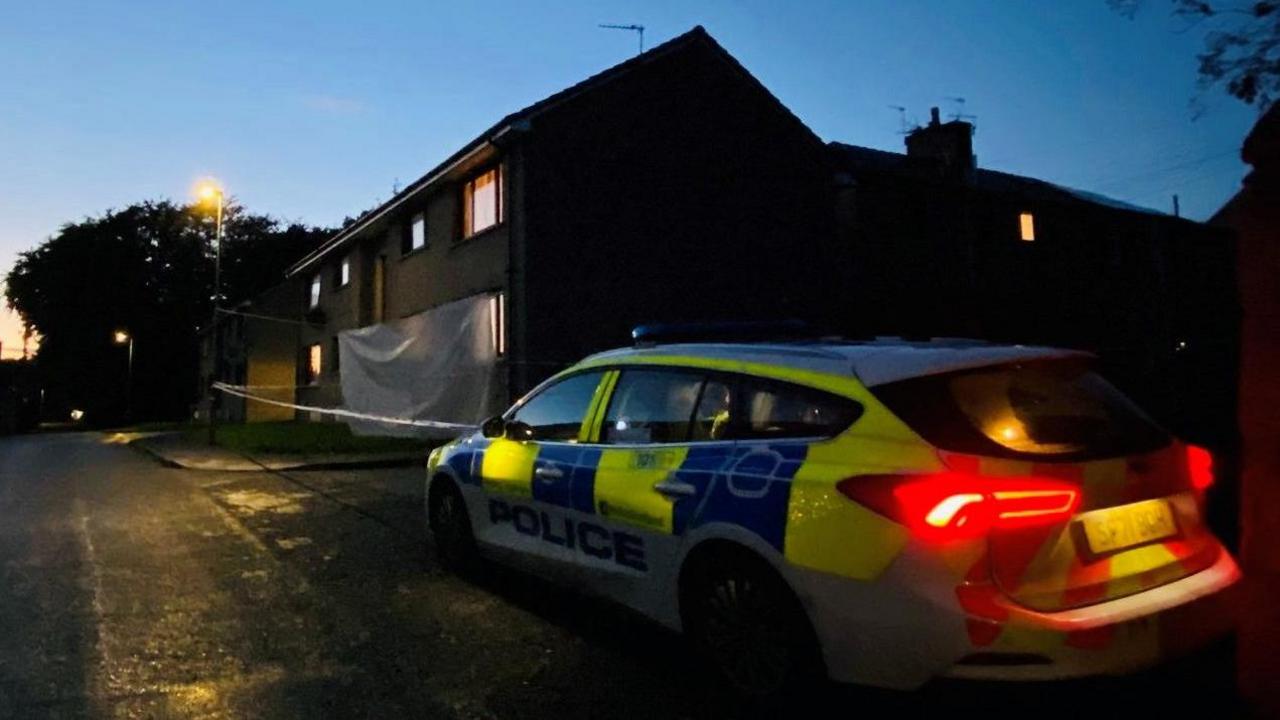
(745, 619)
(451, 529)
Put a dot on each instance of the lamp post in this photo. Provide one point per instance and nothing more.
(122, 337)
(211, 192)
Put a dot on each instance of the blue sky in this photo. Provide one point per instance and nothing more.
(312, 110)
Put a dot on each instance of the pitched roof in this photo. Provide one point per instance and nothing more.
(856, 159)
(522, 116)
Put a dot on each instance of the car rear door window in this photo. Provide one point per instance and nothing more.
(769, 409)
(651, 406)
(557, 411)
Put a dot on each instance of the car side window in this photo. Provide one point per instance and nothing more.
(557, 411)
(651, 406)
(711, 420)
(780, 410)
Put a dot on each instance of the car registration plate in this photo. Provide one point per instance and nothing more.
(1113, 529)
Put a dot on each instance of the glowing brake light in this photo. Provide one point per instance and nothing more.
(953, 506)
(1199, 467)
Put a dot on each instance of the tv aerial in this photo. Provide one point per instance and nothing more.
(959, 113)
(904, 127)
(638, 29)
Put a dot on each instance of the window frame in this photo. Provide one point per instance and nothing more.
(739, 398)
(1027, 226)
(703, 377)
(736, 382)
(553, 381)
(314, 290)
(313, 350)
(343, 276)
(466, 202)
(412, 246)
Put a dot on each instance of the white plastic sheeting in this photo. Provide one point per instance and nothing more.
(439, 365)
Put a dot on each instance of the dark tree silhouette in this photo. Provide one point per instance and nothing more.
(149, 269)
(1241, 46)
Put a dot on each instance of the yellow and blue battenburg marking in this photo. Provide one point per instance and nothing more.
(747, 485)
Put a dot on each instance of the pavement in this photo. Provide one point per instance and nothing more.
(134, 589)
(176, 450)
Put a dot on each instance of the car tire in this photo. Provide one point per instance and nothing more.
(744, 618)
(455, 544)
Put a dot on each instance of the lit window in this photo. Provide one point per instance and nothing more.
(482, 202)
(315, 360)
(315, 291)
(344, 272)
(418, 233)
(497, 323)
(1028, 222)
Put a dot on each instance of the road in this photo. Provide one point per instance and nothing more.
(128, 589)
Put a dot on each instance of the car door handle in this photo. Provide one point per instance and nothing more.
(676, 489)
(548, 472)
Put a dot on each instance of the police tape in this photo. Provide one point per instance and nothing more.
(243, 391)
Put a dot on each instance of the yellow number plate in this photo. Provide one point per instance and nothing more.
(1122, 527)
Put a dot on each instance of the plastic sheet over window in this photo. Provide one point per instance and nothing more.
(439, 365)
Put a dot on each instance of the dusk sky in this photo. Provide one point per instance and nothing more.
(311, 111)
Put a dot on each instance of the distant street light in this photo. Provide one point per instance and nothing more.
(210, 191)
(122, 337)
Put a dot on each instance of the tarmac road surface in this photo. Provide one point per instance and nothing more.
(129, 589)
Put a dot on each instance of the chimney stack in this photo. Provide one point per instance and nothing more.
(948, 146)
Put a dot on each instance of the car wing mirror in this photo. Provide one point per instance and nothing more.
(494, 427)
(516, 430)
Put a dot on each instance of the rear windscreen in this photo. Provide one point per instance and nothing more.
(1041, 410)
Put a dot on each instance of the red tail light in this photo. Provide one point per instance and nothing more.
(1199, 467)
(952, 506)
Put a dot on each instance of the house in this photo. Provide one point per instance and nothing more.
(1254, 215)
(260, 340)
(674, 186)
(942, 247)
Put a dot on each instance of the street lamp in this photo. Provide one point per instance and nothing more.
(210, 192)
(122, 337)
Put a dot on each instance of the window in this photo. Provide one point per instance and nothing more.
(314, 300)
(418, 232)
(651, 406)
(498, 323)
(779, 410)
(1028, 223)
(344, 272)
(482, 202)
(1051, 408)
(314, 364)
(557, 411)
(711, 419)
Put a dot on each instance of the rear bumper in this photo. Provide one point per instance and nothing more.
(1111, 638)
(907, 627)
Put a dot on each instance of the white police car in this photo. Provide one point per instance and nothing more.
(882, 512)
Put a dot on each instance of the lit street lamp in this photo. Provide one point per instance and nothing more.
(210, 191)
(122, 337)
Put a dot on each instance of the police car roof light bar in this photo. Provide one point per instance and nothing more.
(735, 331)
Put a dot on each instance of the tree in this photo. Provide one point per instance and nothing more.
(148, 269)
(1242, 45)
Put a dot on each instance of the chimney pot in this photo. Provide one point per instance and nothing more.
(934, 119)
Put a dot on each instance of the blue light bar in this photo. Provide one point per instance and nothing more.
(738, 331)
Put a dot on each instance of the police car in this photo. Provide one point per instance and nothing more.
(882, 512)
